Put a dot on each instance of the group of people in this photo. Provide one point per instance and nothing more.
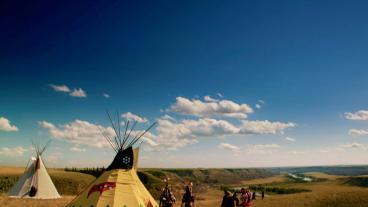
(167, 198)
(246, 197)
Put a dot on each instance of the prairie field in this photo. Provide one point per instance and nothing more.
(7, 202)
(323, 194)
(330, 190)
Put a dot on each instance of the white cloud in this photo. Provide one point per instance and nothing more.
(149, 139)
(264, 127)
(85, 133)
(290, 139)
(12, 152)
(166, 116)
(258, 106)
(228, 146)
(133, 117)
(77, 92)
(80, 93)
(172, 134)
(77, 148)
(361, 115)
(261, 101)
(262, 148)
(210, 99)
(60, 88)
(219, 95)
(354, 145)
(80, 132)
(358, 132)
(6, 126)
(106, 95)
(199, 108)
(209, 127)
(46, 125)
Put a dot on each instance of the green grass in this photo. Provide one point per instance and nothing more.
(278, 190)
(67, 183)
(71, 183)
(74, 180)
(355, 181)
(6, 182)
(334, 191)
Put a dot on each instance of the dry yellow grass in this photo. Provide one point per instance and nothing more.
(324, 175)
(11, 202)
(324, 194)
(11, 170)
(209, 199)
(275, 179)
(67, 183)
(330, 193)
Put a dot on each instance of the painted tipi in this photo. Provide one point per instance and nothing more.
(35, 182)
(119, 185)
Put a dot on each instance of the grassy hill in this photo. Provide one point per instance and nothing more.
(361, 181)
(67, 183)
(336, 191)
(70, 183)
(203, 179)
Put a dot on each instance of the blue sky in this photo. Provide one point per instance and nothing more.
(303, 62)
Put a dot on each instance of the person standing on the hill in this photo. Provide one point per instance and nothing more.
(263, 194)
(236, 200)
(188, 197)
(246, 198)
(167, 198)
(228, 200)
(254, 195)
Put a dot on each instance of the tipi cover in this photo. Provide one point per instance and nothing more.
(119, 185)
(35, 182)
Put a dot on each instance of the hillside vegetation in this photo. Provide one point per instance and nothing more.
(67, 183)
(325, 190)
(203, 179)
(73, 181)
(355, 181)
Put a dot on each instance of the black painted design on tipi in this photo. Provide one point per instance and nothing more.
(123, 141)
(124, 159)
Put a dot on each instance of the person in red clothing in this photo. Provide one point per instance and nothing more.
(245, 198)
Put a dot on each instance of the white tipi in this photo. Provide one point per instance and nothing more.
(35, 182)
